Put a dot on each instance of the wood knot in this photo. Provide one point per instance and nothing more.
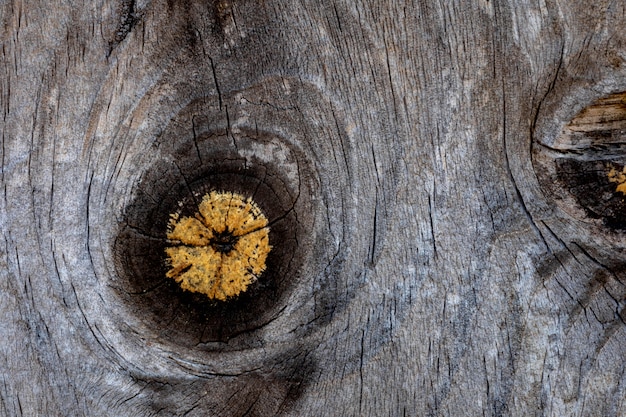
(222, 249)
(584, 167)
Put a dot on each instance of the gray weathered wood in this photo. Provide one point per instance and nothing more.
(427, 261)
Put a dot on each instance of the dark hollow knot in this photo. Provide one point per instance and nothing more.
(224, 242)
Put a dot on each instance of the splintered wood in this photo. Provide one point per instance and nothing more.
(608, 113)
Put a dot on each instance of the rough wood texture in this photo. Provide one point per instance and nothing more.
(429, 259)
(607, 113)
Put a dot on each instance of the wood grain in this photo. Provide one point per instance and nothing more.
(429, 260)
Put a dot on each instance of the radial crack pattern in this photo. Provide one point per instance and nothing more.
(222, 249)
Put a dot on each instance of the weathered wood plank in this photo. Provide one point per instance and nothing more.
(432, 254)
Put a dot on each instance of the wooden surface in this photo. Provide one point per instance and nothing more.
(437, 243)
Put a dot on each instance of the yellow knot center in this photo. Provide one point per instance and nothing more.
(618, 177)
(222, 249)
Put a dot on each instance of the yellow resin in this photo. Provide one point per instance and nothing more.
(222, 249)
(619, 178)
